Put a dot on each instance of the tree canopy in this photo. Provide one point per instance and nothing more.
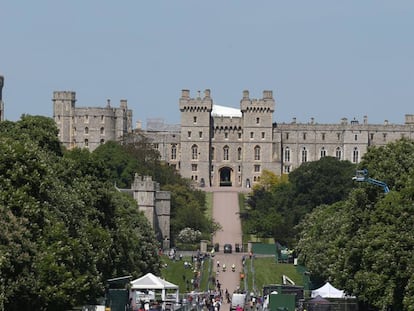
(66, 229)
(365, 243)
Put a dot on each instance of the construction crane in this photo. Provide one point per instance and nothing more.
(362, 175)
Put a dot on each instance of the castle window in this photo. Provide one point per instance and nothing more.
(323, 136)
(263, 135)
(194, 119)
(251, 134)
(304, 155)
(239, 135)
(257, 120)
(338, 153)
(239, 168)
(200, 134)
(226, 135)
(102, 141)
(86, 143)
(194, 167)
(173, 152)
(86, 130)
(356, 137)
(189, 134)
(287, 136)
(257, 168)
(239, 154)
(355, 155)
(102, 131)
(372, 136)
(323, 152)
(287, 154)
(286, 169)
(102, 118)
(86, 119)
(213, 151)
(226, 153)
(194, 152)
(304, 136)
(212, 168)
(155, 146)
(257, 153)
(384, 136)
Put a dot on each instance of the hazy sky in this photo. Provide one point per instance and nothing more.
(322, 59)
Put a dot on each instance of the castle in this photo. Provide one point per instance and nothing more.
(220, 146)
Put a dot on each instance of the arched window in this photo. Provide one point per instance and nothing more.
(226, 153)
(239, 154)
(323, 152)
(257, 153)
(287, 154)
(355, 155)
(173, 152)
(102, 141)
(102, 131)
(86, 130)
(304, 155)
(194, 152)
(86, 143)
(338, 153)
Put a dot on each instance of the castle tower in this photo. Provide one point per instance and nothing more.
(156, 206)
(257, 136)
(196, 137)
(1, 99)
(64, 116)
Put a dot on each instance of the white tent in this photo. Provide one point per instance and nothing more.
(150, 282)
(328, 291)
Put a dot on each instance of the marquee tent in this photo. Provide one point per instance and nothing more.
(328, 291)
(150, 283)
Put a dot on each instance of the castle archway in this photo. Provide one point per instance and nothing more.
(225, 176)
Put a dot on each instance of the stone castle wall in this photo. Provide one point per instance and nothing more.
(89, 127)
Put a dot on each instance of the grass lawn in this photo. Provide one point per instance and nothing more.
(267, 271)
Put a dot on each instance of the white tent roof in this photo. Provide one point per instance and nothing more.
(150, 281)
(328, 291)
(222, 111)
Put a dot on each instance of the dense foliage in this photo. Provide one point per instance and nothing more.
(276, 205)
(65, 228)
(365, 243)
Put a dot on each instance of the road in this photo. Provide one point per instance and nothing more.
(226, 213)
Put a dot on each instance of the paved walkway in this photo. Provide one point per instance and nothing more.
(226, 213)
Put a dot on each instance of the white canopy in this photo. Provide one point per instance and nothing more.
(328, 291)
(150, 281)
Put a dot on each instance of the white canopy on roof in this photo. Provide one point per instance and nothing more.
(329, 291)
(222, 111)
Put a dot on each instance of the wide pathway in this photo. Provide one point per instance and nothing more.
(226, 213)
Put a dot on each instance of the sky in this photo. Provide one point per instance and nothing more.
(322, 59)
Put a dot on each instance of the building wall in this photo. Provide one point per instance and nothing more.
(89, 127)
(215, 150)
(1, 99)
(283, 146)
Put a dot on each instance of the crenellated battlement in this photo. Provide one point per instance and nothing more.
(264, 105)
(64, 95)
(198, 104)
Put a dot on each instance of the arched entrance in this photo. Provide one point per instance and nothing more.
(225, 176)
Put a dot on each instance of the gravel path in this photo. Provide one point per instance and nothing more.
(226, 213)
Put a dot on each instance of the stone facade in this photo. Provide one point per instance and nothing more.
(223, 148)
(155, 204)
(1, 99)
(91, 126)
